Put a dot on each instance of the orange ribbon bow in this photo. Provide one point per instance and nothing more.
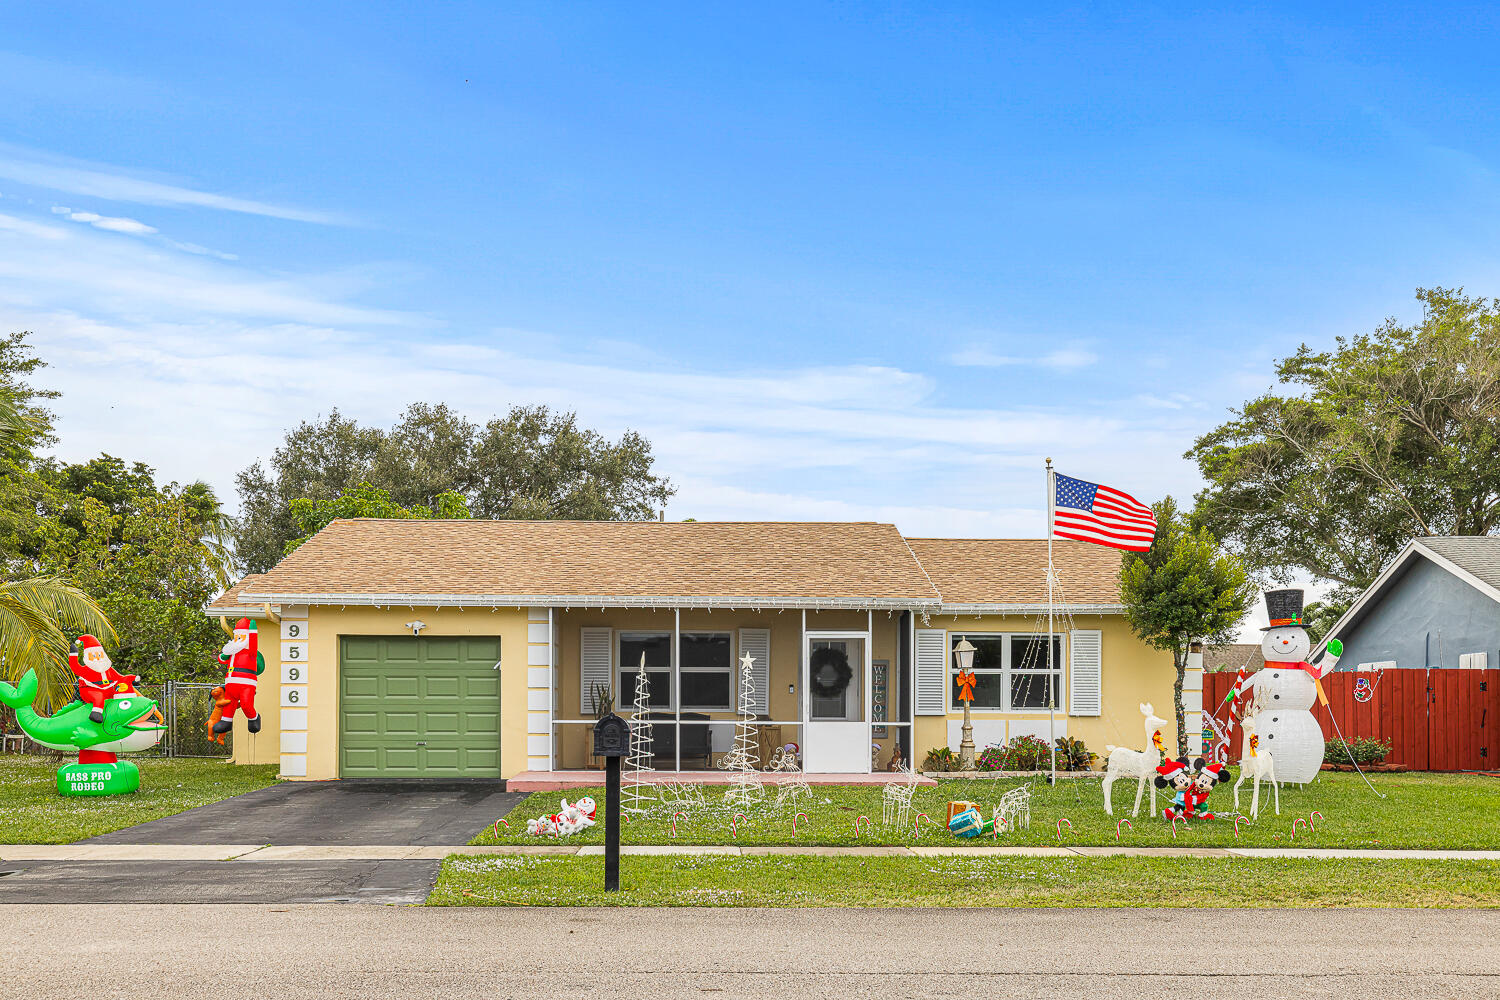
(966, 682)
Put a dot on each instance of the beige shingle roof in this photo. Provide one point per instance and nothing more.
(1013, 571)
(229, 601)
(841, 564)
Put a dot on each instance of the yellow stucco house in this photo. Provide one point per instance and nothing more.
(488, 648)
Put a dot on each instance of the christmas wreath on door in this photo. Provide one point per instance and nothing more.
(830, 673)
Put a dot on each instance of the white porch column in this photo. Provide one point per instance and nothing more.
(541, 733)
(677, 690)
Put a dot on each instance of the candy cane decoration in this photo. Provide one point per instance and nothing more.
(674, 822)
(1299, 819)
(1059, 826)
(733, 829)
(794, 822)
(1123, 822)
(857, 820)
(1237, 821)
(498, 823)
(916, 825)
(1310, 827)
(1174, 826)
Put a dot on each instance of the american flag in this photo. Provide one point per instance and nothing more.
(1088, 512)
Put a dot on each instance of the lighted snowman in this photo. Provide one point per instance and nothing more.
(1286, 687)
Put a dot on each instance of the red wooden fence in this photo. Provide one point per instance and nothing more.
(1435, 720)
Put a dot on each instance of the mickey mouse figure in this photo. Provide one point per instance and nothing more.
(1206, 780)
(1192, 781)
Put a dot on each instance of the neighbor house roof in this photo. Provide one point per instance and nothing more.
(1233, 656)
(629, 563)
(1474, 559)
(230, 602)
(997, 575)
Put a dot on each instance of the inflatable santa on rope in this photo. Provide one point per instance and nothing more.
(1285, 688)
(98, 681)
(242, 664)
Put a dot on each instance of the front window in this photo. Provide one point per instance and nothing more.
(656, 647)
(706, 674)
(707, 671)
(1010, 672)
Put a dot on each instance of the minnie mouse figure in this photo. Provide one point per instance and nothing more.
(1178, 776)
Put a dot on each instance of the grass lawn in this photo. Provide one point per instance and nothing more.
(959, 881)
(1419, 811)
(31, 811)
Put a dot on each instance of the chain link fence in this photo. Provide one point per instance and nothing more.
(185, 705)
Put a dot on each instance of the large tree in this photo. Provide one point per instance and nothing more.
(108, 542)
(1391, 434)
(531, 464)
(1185, 589)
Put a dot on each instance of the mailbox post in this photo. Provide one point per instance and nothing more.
(612, 742)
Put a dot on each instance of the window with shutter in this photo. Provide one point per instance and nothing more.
(757, 642)
(1085, 672)
(594, 650)
(932, 671)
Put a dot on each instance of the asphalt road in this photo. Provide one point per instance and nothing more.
(352, 811)
(376, 952)
(215, 882)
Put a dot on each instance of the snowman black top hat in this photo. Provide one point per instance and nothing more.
(1284, 608)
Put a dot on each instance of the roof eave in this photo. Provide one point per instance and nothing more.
(603, 601)
(960, 608)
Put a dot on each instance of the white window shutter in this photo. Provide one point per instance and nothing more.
(1085, 670)
(594, 658)
(932, 671)
(757, 642)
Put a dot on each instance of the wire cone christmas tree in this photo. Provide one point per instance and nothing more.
(637, 790)
(743, 758)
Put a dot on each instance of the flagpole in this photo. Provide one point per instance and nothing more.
(1051, 677)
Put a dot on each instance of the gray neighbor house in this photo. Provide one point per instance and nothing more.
(1436, 605)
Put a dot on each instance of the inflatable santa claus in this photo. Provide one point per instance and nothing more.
(98, 681)
(1285, 688)
(242, 664)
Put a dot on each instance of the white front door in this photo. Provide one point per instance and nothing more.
(834, 680)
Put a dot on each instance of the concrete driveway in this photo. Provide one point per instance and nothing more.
(417, 813)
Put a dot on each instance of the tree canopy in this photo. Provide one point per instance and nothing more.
(148, 556)
(1184, 589)
(1390, 435)
(531, 464)
(364, 500)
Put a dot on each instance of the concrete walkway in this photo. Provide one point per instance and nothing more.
(95, 851)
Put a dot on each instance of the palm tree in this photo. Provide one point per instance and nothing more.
(32, 615)
(33, 612)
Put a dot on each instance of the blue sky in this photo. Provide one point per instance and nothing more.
(836, 262)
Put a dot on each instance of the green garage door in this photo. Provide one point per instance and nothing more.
(413, 707)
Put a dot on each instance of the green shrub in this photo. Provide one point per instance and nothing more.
(991, 758)
(1027, 753)
(940, 759)
(1072, 755)
(1366, 750)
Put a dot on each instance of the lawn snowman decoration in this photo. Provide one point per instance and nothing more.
(1285, 688)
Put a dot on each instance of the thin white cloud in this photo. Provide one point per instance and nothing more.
(1063, 359)
(80, 269)
(114, 224)
(116, 184)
